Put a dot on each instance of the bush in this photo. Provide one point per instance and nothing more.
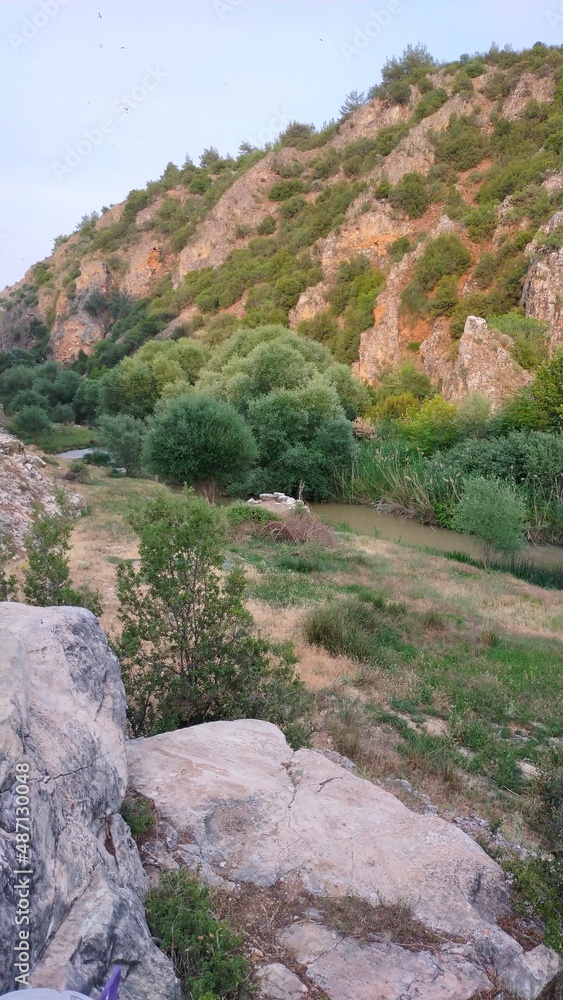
(461, 144)
(31, 421)
(411, 195)
(267, 226)
(123, 437)
(493, 511)
(530, 337)
(444, 255)
(46, 579)
(284, 189)
(187, 647)
(208, 956)
(197, 439)
(430, 103)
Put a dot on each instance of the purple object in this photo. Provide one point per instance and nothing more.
(111, 989)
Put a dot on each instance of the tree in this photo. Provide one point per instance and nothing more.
(196, 439)
(474, 415)
(354, 100)
(187, 647)
(123, 437)
(47, 576)
(547, 391)
(495, 512)
(31, 421)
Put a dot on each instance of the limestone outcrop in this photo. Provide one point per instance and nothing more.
(235, 802)
(483, 364)
(62, 781)
(542, 294)
(22, 485)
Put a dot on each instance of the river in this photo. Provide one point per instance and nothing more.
(368, 521)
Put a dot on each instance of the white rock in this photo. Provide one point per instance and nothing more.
(350, 971)
(266, 496)
(243, 795)
(278, 983)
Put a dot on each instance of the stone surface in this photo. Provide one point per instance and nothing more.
(347, 970)
(542, 294)
(22, 485)
(278, 983)
(483, 364)
(246, 808)
(62, 713)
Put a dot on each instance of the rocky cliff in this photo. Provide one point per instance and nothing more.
(150, 247)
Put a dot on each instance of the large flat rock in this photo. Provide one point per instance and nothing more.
(246, 808)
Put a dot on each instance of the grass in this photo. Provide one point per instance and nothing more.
(451, 685)
(543, 576)
(63, 437)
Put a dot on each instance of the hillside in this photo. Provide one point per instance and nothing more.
(437, 197)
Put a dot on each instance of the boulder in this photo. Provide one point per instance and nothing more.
(247, 809)
(62, 781)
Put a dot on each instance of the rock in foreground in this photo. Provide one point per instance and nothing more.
(62, 716)
(240, 804)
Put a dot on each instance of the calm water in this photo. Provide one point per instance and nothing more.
(367, 521)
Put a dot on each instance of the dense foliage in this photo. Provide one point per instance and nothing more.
(188, 650)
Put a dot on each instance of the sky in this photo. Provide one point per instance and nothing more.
(97, 96)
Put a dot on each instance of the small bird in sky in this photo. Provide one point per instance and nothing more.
(99, 15)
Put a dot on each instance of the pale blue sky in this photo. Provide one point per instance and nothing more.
(193, 74)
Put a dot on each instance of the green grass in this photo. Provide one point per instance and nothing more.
(63, 437)
(283, 589)
(550, 577)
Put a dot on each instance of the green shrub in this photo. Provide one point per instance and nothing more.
(138, 815)
(530, 338)
(411, 195)
(430, 103)
(284, 189)
(187, 646)
(46, 580)
(267, 226)
(397, 250)
(444, 255)
(481, 223)
(461, 144)
(208, 956)
(30, 422)
(196, 439)
(123, 437)
(493, 511)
